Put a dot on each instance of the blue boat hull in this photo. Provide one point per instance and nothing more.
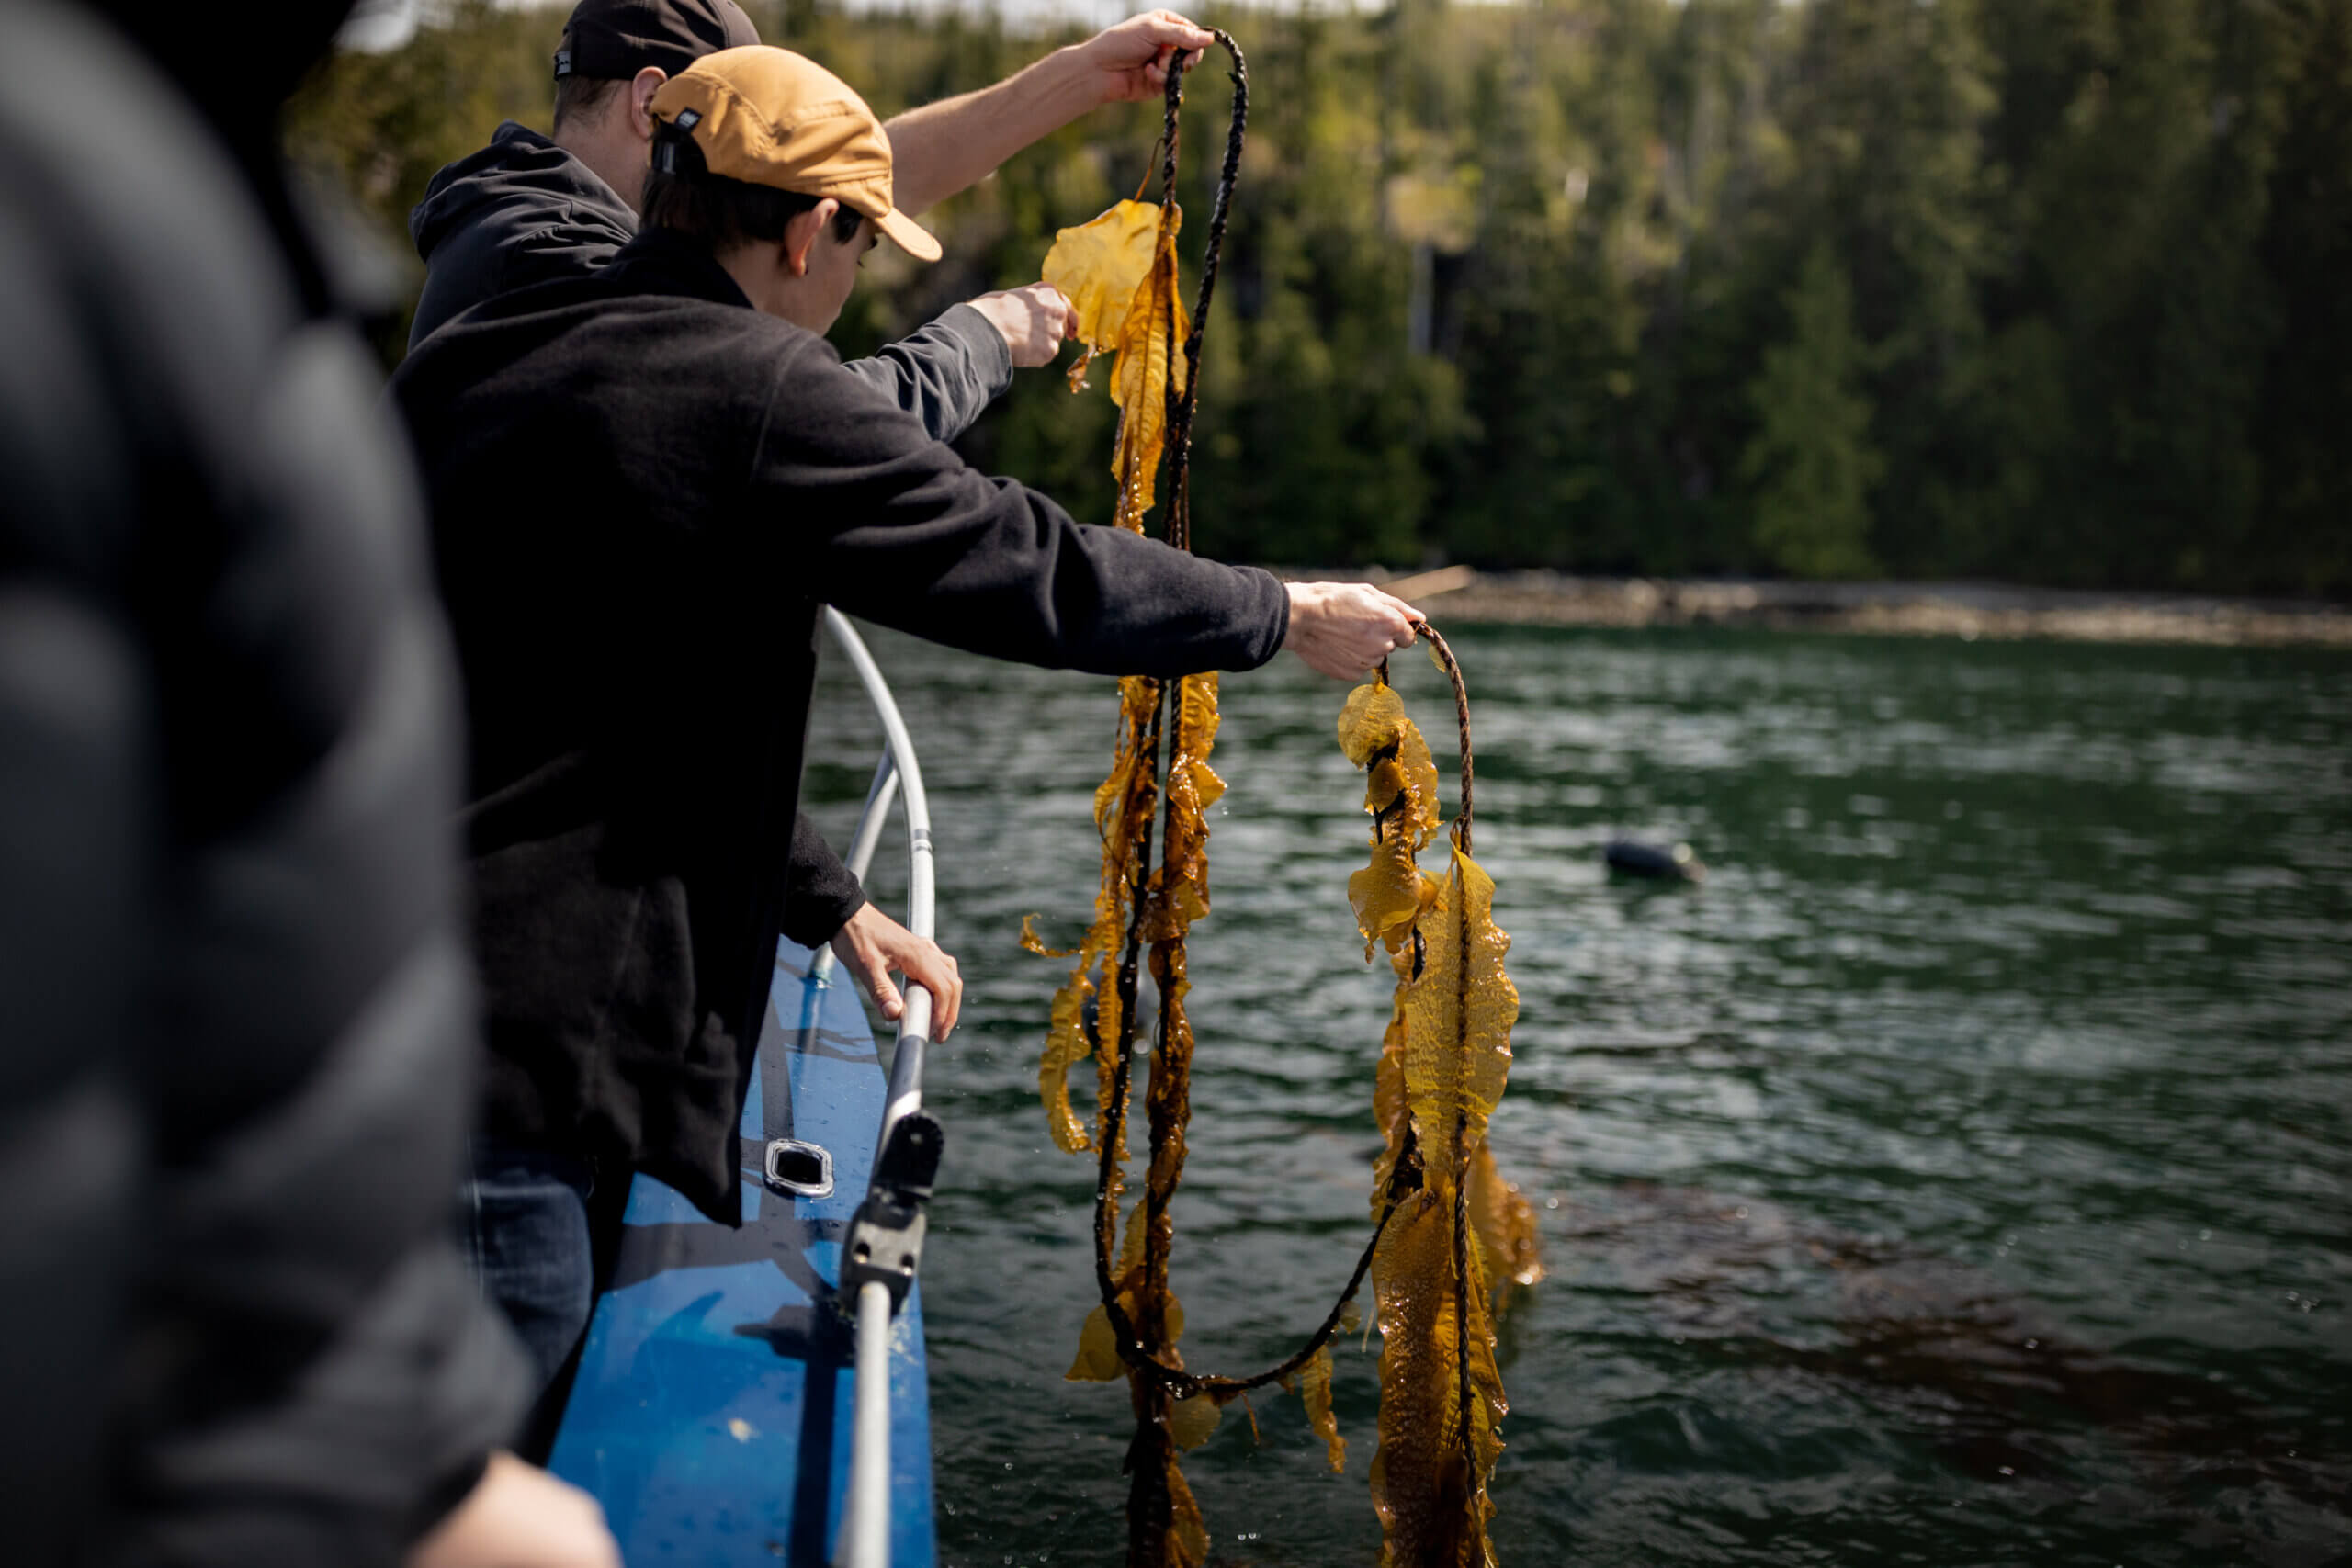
(712, 1413)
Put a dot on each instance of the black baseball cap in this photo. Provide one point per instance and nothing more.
(612, 40)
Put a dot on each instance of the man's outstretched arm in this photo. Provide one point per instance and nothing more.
(946, 147)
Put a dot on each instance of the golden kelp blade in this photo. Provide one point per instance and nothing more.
(1387, 895)
(1101, 267)
(1188, 1537)
(1098, 1351)
(1148, 365)
(1123, 812)
(1192, 1421)
(1315, 1393)
(1193, 787)
(1506, 1226)
(1427, 1485)
(1372, 722)
(1457, 1019)
(1098, 1345)
(1388, 1103)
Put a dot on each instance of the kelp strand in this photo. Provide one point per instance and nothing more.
(1443, 1064)
(1144, 912)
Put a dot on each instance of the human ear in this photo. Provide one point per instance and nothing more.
(641, 88)
(800, 231)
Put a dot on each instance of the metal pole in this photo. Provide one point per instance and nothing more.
(865, 1520)
(914, 1024)
(864, 1539)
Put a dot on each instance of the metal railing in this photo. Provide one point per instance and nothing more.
(884, 1247)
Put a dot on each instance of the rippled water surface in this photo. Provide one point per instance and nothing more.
(1963, 1174)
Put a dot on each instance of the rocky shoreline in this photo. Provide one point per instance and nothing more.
(1965, 610)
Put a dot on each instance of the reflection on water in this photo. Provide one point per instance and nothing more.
(1959, 1176)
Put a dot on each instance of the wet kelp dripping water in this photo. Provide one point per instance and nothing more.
(1120, 272)
(1452, 1231)
(1121, 276)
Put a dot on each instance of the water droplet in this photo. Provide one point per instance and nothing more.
(2030, 1344)
(2005, 1469)
(2204, 1235)
(1741, 1211)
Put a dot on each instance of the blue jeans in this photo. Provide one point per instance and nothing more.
(525, 1234)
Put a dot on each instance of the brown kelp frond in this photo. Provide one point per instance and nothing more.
(1401, 778)
(1180, 888)
(1191, 1421)
(1388, 1110)
(1188, 1536)
(1100, 267)
(1400, 793)
(1444, 1060)
(1389, 894)
(1031, 942)
(1119, 272)
(1086, 1009)
(1315, 1393)
(1505, 1222)
(1458, 1015)
(1148, 372)
(1428, 1482)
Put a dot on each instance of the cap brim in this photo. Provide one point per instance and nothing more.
(908, 235)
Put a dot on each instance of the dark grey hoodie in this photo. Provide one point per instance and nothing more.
(525, 210)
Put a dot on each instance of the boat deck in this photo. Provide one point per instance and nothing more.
(712, 1414)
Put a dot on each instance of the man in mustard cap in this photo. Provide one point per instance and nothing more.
(644, 485)
(531, 208)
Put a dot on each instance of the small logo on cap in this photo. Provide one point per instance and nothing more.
(689, 118)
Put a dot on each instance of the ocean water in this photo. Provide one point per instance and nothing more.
(1961, 1175)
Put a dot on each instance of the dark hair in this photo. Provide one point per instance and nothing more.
(682, 194)
(584, 98)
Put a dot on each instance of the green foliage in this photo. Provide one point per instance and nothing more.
(1811, 461)
(2040, 290)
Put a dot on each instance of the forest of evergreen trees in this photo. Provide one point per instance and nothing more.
(2054, 291)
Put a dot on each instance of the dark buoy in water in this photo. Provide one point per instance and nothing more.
(1661, 864)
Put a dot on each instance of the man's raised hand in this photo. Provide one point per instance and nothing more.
(1034, 320)
(1130, 61)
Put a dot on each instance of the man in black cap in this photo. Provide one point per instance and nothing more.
(636, 620)
(529, 208)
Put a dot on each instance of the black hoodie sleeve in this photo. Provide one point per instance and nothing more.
(821, 895)
(945, 375)
(894, 528)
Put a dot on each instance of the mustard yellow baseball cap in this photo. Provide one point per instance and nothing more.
(769, 117)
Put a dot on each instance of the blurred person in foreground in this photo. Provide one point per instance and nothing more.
(239, 1023)
(644, 484)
